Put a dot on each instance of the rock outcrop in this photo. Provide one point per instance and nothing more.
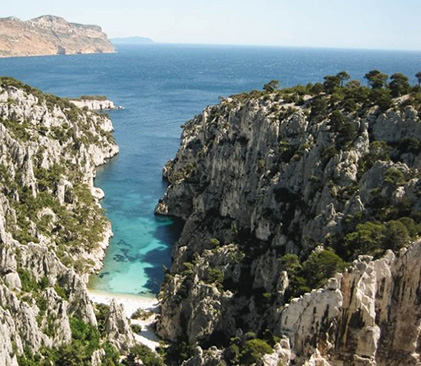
(50, 35)
(93, 104)
(52, 231)
(369, 315)
(259, 176)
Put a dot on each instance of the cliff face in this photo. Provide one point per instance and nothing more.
(369, 315)
(50, 35)
(52, 230)
(94, 104)
(257, 177)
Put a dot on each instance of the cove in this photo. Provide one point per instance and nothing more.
(161, 87)
(142, 242)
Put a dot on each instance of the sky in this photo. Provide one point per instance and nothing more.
(375, 24)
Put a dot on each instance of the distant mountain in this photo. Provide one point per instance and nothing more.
(50, 35)
(132, 40)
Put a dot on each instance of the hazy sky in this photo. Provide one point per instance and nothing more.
(390, 24)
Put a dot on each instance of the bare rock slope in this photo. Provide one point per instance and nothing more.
(52, 231)
(50, 35)
(278, 190)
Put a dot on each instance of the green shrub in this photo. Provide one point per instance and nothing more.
(396, 235)
(373, 238)
(28, 282)
(141, 314)
(413, 229)
(232, 354)
(312, 273)
(91, 97)
(318, 108)
(102, 312)
(215, 242)
(85, 340)
(215, 276)
(394, 176)
(381, 98)
(177, 352)
(111, 357)
(188, 269)
(320, 266)
(254, 350)
(379, 150)
(20, 130)
(136, 328)
(331, 83)
(144, 354)
(60, 291)
(399, 85)
(297, 283)
(366, 239)
(337, 120)
(271, 86)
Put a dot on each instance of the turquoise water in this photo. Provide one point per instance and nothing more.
(161, 86)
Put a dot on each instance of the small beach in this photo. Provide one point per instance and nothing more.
(131, 303)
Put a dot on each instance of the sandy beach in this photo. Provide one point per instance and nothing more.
(131, 303)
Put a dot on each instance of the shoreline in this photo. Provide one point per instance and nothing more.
(131, 303)
(142, 298)
(57, 54)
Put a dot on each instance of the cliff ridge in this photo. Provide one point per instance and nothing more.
(50, 35)
(301, 237)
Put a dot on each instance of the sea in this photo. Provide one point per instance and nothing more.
(161, 86)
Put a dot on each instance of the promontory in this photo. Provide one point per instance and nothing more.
(50, 35)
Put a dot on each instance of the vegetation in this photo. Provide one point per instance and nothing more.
(338, 100)
(312, 273)
(91, 97)
(373, 237)
(338, 106)
(271, 86)
(142, 314)
(28, 282)
(85, 340)
(20, 130)
(67, 228)
(382, 226)
(144, 354)
(215, 276)
(249, 349)
(175, 353)
(254, 350)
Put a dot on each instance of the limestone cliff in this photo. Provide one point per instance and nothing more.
(50, 35)
(266, 175)
(52, 231)
(93, 104)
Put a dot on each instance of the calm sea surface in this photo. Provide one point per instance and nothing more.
(162, 86)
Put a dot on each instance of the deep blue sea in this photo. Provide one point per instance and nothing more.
(162, 86)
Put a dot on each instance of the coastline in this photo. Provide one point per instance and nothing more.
(56, 54)
(131, 303)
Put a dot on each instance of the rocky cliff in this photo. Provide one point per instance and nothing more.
(52, 231)
(50, 35)
(280, 190)
(93, 104)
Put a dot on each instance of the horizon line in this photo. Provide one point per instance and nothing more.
(258, 45)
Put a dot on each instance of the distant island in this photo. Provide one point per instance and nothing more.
(132, 40)
(50, 35)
